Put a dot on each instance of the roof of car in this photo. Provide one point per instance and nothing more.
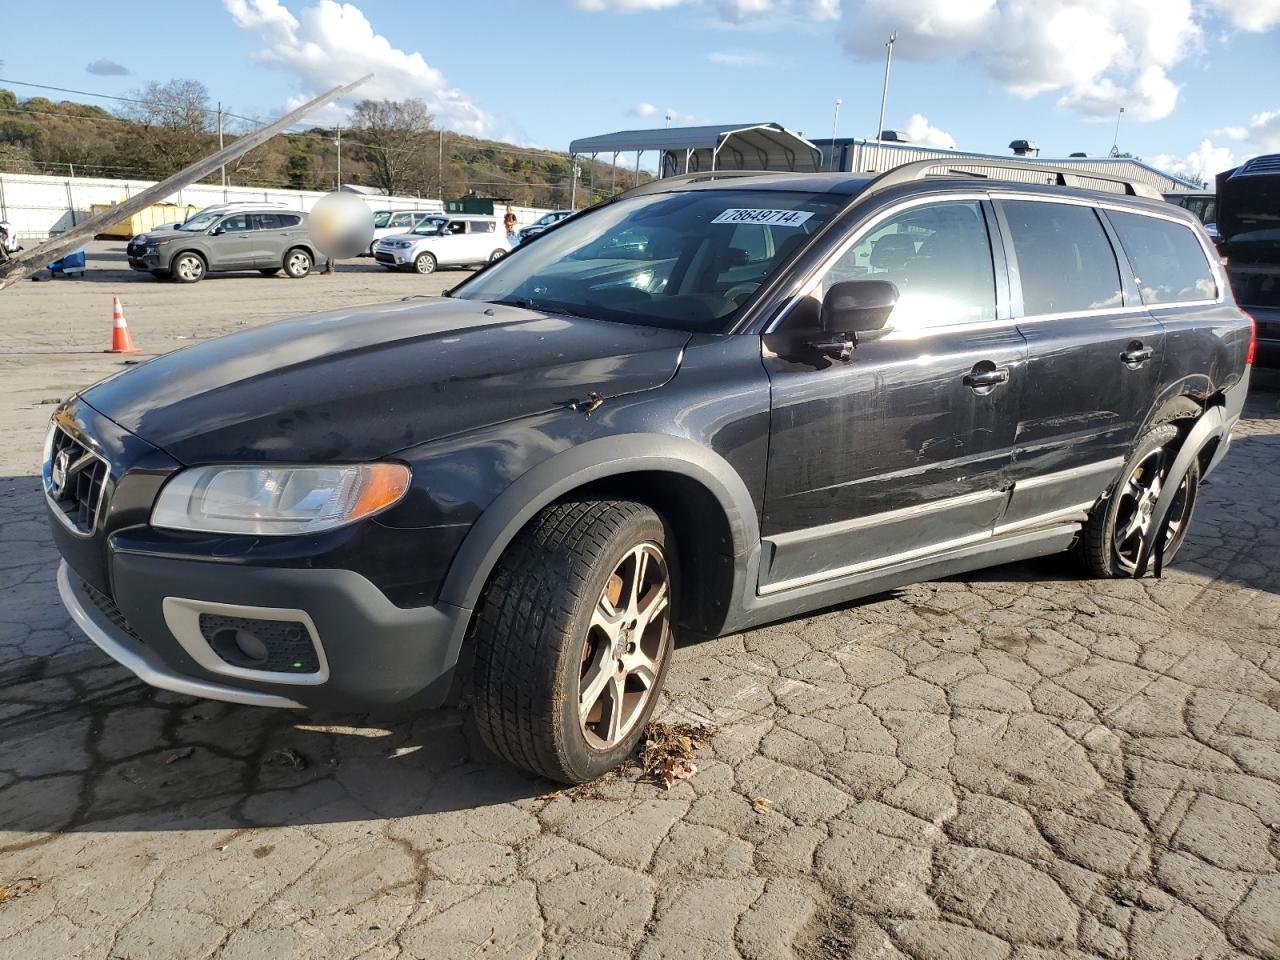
(844, 183)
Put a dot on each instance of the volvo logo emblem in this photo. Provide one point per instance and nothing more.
(58, 471)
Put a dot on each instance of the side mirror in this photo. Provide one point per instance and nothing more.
(859, 307)
(217, 231)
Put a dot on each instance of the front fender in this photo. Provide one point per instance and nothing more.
(582, 464)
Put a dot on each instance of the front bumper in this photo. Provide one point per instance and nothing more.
(394, 258)
(144, 261)
(373, 653)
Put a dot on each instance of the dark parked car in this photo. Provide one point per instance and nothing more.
(541, 225)
(702, 406)
(1249, 220)
(215, 241)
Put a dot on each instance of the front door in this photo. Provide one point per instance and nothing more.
(902, 450)
(1095, 355)
(233, 247)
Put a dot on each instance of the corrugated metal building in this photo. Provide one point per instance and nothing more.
(871, 156)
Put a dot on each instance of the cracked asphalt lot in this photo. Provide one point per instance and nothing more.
(1015, 764)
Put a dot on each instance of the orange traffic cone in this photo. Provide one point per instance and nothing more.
(120, 340)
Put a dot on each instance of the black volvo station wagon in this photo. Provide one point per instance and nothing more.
(708, 403)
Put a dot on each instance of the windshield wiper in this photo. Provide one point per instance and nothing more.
(524, 303)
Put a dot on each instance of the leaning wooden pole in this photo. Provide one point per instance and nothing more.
(30, 261)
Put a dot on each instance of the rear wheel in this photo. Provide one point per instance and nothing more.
(425, 263)
(188, 268)
(573, 638)
(497, 255)
(1120, 526)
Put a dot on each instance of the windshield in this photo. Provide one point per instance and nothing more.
(200, 222)
(430, 228)
(381, 219)
(547, 219)
(685, 261)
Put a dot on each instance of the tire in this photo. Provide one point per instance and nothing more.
(497, 255)
(189, 267)
(1115, 531)
(566, 676)
(269, 271)
(425, 263)
(297, 263)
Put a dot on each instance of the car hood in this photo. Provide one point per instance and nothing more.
(365, 382)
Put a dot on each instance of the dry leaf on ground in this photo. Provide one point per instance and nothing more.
(21, 887)
(669, 750)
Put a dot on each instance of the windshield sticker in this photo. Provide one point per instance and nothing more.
(776, 218)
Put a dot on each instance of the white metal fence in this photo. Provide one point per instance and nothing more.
(40, 206)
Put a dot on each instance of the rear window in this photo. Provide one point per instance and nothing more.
(1064, 258)
(1167, 257)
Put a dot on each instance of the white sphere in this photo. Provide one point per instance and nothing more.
(341, 225)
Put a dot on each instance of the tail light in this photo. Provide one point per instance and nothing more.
(1253, 341)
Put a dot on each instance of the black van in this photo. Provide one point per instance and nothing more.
(1250, 242)
(711, 402)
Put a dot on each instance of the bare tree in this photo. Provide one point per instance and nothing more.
(398, 142)
(174, 126)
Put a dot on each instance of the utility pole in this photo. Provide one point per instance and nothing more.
(1115, 138)
(668, 118)
(224, 168)
(339, 156)
(835, 121)
(440, 169)
(884, 95)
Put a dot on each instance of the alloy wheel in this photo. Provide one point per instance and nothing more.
(1133, 526)
(627, 640)
(299, 263)
(190, 267)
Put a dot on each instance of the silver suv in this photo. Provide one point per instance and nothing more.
(215, 241)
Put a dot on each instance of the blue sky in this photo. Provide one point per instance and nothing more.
(1199, 79)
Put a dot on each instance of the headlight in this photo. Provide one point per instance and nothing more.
(277, 501)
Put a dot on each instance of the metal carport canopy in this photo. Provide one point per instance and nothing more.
(734, 146)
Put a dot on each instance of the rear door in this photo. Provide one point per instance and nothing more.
(484, 239)
(900, 452)
(270, 239)
(452, 248)
(1095, 355)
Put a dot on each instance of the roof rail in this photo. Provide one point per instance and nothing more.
(1060, 176)
(662, 183)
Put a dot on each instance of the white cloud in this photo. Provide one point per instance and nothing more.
(922, 132)
(739, 58)
(1232, 133)
(330, 43)
(1202, 164)
(734, 12)
(1252, 15)
(1264, 131)
(1097, 55)
(645, 111)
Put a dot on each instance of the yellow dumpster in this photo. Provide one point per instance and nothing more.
(146, 219)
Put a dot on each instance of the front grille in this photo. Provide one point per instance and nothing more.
(276, 646)
(384, 257)
(109, 609)
(76, 481)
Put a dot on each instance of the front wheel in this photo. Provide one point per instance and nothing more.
(1120, 526)
(188, 268)
(497, 255)
(425, 263)
(573, 637)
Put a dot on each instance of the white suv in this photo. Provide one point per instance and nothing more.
(440, 242)
(389, 223)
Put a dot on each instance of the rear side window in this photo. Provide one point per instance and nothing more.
(289, 220)
(1167, 257)
(268, 221)
(482, 226)
(401, 220)
(1064, 258)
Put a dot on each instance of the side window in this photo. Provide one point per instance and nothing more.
(1167, 257)
(401, 220)
(1064, 257)
(482, 226)
(457, 226)
(237, 224)
(267, 221)
(289, 219)
(939, 258)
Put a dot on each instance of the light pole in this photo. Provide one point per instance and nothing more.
(884, 94)
(835, 122)
(668, 118)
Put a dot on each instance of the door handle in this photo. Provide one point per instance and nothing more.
(1136, 355)
(987, 379)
